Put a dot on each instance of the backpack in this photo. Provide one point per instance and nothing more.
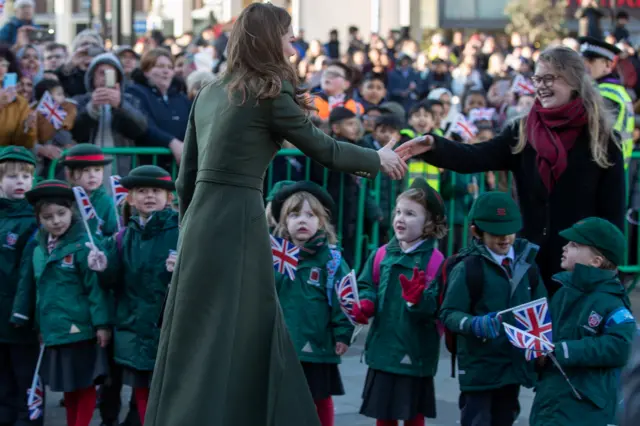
(475, 284)
(332, 268)
(432, 271)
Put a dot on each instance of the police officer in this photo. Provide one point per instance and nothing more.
(599, 59)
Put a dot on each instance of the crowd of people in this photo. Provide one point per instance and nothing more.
(481, 121)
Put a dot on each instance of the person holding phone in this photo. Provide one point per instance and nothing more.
(85, 47)
(16, 30)
(17, 125)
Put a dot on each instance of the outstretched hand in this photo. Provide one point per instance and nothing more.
(412, 288)
(390, 162)
(415, 146)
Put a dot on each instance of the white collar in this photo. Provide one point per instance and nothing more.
(500, 257)
(413, 247)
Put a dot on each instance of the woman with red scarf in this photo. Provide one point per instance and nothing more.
(564, 156)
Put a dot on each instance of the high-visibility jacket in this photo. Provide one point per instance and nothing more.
(625, 121)
(321, 102)
(419, 168)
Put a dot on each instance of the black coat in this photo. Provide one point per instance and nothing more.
(583, 190)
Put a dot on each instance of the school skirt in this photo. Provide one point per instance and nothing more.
(136, 378)
(76, 366)
(388, 396)
(323, 379)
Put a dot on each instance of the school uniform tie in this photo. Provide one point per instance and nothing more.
(506, 264)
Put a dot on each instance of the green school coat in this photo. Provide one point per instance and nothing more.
(17, 226)
(223, 327)
(491, 364)
(593, 331)
(138, 277)
(311, 310)
(402, 339)
(107, 222)
(59, 291)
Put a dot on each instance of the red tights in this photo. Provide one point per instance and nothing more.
(416, 421)
(325, 411)
(79, 406)
(142, 397)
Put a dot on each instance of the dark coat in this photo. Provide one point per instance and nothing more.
(583, 190)
(224, 345)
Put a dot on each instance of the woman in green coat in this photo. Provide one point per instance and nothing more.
(225, 356)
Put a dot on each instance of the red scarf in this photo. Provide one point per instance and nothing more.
(552, 132)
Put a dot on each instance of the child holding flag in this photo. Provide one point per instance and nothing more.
(71, 310)
(319, 330)
(137, 264)
(496, 273)
(593, 330)
(85, 166)
(403, 344)
(18, 346)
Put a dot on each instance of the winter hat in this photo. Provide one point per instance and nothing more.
(277, 187)
(49, 189)
(104, 58)
(17, 153)
(435, 205)
(85, 155)
(339, 114)
(148, 177)
(496, 213)
(303, 186)
(600, 234)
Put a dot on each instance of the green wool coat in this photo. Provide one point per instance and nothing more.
(138, 277)
(106, 224)
(17, 225)
(225, 356)
(311, 310)
(402, 339)
(491, 364)
(60, 292)
(593, 331)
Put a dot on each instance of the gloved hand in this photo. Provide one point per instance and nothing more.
(412, 288)
(487, 326)
(364, 311)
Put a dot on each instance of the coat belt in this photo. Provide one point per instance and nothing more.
(229, 178)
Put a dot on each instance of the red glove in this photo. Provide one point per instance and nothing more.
(412, 288)
(364, 311)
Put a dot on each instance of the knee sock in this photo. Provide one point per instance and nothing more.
(325, 411)
(416, 421)
(70, 407)
(85, 400)
(142, 396)
(386, 423)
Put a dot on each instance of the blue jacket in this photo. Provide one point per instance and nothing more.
(9, 32)
(166, 119)
(398, 83)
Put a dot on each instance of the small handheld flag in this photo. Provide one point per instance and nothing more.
(481, 114)
(464, 128)
(521, 86)
(347, 290)
(535, 319)
(35, 394)
(119, 192)
(52, 111)
(86, 209)
(285, 256)
(534, 346)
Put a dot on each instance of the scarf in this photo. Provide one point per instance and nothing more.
(552, 132)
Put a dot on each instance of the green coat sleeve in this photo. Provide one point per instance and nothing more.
(186, 182)
(110, 225)
(98, 298)
(25, 299)
(366, 288)
(289, 121)
(457, 302)
(111, 277)
(610, 349)
(342, 327)
(427, 309)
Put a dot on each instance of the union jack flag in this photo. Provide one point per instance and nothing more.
(51, 110)
(347, 290)
(84, 203)
(534, 318)
(464, 128)
(285, 256)
(482, 114)
(34, 400)
(119, 192)
(522, 86)
(534, 346)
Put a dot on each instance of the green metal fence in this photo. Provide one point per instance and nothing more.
(368, 238)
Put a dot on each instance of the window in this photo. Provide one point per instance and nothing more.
(491, 9)
(460, 9)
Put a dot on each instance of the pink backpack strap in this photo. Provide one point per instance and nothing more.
(380, 254)
(434, 265)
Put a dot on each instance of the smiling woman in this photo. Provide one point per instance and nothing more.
(566, 161)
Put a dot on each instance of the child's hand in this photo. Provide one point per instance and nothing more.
(171, 261)
(472, 188)
(412, 288)
(103, 335)
(486, 326)
(97, 261)
(361, 313)
(341, 348)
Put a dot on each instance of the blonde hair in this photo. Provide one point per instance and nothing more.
(294, 204)
(570, 66)
(7, 167)
(433, 227)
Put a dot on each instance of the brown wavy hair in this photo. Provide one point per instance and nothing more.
(256, 65)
